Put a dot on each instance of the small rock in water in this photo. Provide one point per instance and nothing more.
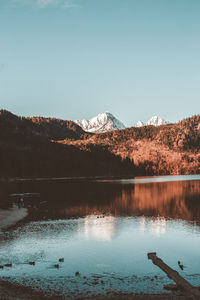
(180, 265)
(1, 267)
(61, 260)
(32, 263)
(57, 266)
(8, 265)
(77, 273)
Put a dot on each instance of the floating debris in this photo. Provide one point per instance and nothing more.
(61, 259)
(8, 265)
(180, 265)
(32, 263)
(57, 266)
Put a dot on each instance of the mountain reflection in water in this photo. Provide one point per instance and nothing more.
(176, 200)
(74, 199)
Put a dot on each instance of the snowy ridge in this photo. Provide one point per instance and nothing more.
(155, 121)
(101, 123)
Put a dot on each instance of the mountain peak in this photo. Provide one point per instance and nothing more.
(101, 123)
(154, 121)
(140, 124)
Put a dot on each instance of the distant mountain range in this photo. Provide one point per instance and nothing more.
(107, 122)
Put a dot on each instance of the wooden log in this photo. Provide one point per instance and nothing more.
(171, 287)
(174, 275)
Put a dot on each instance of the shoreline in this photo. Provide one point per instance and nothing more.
(10, 217)
(10, 291)
(8, 180)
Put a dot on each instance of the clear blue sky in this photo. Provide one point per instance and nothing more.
(73, 59)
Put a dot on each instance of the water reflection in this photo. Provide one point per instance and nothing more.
(168, 200)
(157, 226)
(176, 200)
(101, 228)
(64, 199)
(105, 229)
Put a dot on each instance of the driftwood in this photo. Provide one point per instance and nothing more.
(171, 287)
(174, 275)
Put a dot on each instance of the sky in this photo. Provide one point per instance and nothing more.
(74, 59)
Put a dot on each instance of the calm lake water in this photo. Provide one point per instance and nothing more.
(104, 229)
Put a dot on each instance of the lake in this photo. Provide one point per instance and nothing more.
(104, 229)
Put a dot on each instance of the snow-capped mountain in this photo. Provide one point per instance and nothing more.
(155, 121)
(139, 124)
(107, 122)
(101, 123)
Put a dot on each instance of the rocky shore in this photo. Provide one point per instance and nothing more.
(10, 291)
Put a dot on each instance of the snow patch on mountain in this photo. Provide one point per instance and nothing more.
(155, 121)
(101, 123)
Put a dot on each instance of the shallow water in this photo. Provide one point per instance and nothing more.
(104, 231)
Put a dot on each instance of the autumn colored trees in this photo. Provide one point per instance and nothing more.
(166, 149)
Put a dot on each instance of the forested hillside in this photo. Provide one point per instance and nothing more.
(46, 147)
(49, 128)
(166, 149)
(27, 150)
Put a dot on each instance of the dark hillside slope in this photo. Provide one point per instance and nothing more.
(26, 150)
(49, 128)
(58, 129)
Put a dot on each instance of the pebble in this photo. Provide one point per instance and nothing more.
(57, 266)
